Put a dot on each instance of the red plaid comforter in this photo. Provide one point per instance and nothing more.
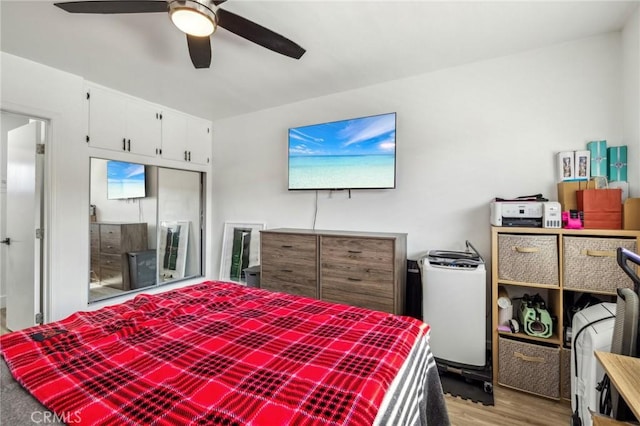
(214, 353)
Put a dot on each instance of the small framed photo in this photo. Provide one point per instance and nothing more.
(566, 165)
(240, 250)
(582, 162)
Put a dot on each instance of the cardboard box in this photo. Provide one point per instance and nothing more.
(617, 163)
(582, 163)
(598, 150)
(631, 214)
(565, 166)
(567, 193)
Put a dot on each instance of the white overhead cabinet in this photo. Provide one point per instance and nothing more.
(185, 137)
(122, 123)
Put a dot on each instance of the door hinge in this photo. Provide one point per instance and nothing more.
(87, 138)
(39, 233)
(39, 148)
(39, 318)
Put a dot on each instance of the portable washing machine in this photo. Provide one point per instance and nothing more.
(454, 305)
(592, 330)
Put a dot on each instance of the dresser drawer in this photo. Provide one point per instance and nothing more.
(111, 266)
(366, 294)
(364, 252)
(528, 258)
(590, 264)
(299, 250)
(273, 283)
(110, 239)
(278, 274)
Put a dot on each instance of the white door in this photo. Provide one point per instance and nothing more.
(24, 216)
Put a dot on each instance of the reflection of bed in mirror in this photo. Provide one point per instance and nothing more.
(222, 353)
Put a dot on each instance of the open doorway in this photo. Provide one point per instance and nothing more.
(22, 165)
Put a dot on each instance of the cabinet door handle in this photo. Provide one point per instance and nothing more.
(185, 156)
(129, 145)
(598, 253)
(354, 279)
(124, 144)
(526, 249)
(189, 155)
(528, 358)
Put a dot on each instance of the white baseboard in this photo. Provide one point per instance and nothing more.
(3, 301)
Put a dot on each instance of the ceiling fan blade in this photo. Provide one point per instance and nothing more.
(123, 6)
(199, 50)
(258, 34)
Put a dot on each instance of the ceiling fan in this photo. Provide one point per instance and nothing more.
(198, 19)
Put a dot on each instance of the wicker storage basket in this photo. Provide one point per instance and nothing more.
(528, 258)
(528, 367)
(590, 264)
(565, 374)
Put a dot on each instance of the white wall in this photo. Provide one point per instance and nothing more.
(631, 98)
(464, 136)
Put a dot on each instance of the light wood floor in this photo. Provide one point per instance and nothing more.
(511, 408)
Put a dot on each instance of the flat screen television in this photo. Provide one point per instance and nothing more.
(358, 153)
(125, 180)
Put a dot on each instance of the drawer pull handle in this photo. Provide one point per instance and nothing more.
(354, 279)
(355, 251)
(528, 358)
(286, 270)
(286, 246)
(598, 253)
(526, 249)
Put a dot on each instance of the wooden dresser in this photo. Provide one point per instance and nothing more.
(363, 269)
(110, 243)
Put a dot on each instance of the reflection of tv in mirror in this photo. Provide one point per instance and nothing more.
(125, 180)
(358, 153)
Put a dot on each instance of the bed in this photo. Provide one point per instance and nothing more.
(222, 353)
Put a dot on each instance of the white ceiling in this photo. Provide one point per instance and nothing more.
(349, 44)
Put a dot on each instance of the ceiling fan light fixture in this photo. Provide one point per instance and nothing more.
(193, 17)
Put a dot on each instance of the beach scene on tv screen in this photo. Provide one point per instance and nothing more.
(357, 153)
(125, 180)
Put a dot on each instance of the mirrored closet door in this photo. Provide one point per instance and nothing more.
(145, 226)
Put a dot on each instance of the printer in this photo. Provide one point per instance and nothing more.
(530, 214)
